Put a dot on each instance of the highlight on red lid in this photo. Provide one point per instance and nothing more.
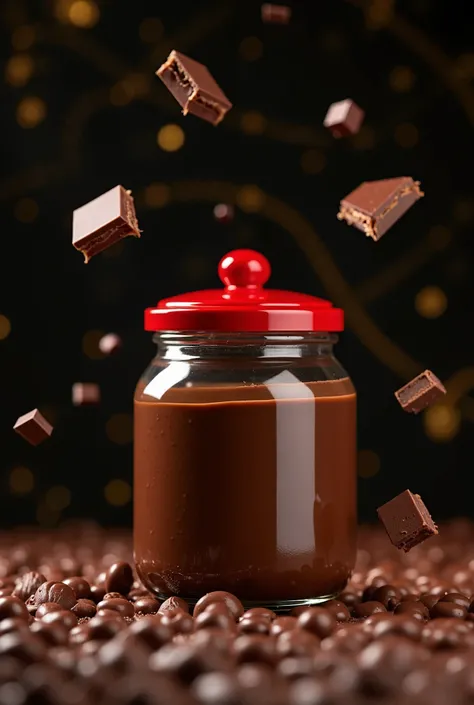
(244, 305)
(244, 268)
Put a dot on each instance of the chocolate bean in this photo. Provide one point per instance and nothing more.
(365, 609)
(84, 608)
(65, 617)
(318, 621)
(80, 587)
(28, 584)
(388, 595)
(412, 609)
(119, 578)
(173, 603)
(59, 593)
(448, 609)
(118, 604)
(254, 625)
(338, 609)
(46, 608)
(254, 648)
(146, 605)
(283, 624)
(233, 604)
(12, 607)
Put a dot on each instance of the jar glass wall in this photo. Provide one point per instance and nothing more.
(245, 480)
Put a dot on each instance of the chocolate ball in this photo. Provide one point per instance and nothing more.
(318, 621)
(233, 604)
(119, 578)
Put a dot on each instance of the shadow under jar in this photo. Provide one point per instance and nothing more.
(245, 445)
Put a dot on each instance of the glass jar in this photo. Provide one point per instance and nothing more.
(245, 446)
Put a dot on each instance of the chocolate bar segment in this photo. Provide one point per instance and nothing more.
(375, 206)
(275, 14)
(104, 221)
(194, 88)
(33, 427)
(344, 118)
(420, 392)
(407, 520)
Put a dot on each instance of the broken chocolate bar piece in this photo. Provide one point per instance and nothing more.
(33, 427)
(104, 221)
(406, 520)
(420, 392)
(85, 393)
(276, 14)
(194, 88)
(344, 118)
(375, 206)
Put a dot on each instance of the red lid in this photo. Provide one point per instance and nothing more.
(244, 305)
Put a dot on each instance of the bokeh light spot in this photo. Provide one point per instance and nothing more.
(157, 195)
(368, 463)
(23, 37)
(401, 79)
(250, 198)
(118, 493)
(464, 211)
(431, 302)
(21, 480)
(406, 135)
(151, 30)
(170, 138)
(5, 327)
(441, 422)
(83, 13)
(26, 210)
(251, 49)
(440, 237)
(30, 112)
(253, 123)
(313, 161)
(90, 344)
(19, 70)
(58, 498)
(119, 428)
(364, 139)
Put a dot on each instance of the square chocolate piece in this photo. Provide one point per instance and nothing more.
(344, 118)
(276, 14)
(85, 393)
(33, 427)
(194, 88)
(375, 206)
(406, 520)
(104, 221)
(420, 392)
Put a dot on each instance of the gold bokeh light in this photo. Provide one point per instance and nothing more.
(170, 138)
(58, 498)
(23, 37)
(157, 195)
(401, 79)
(83, 13)
(151, 30)
(19, 70)
(250, 198)
(5, 327)
(253, 123)
(431, 302)
(251, 49)
(118, 493)
(441, 422)
(21, 480)
(313, 161)
(30, 112)
(26, 210)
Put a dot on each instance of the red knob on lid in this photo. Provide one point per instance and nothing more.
(244, 268)
(244, 305)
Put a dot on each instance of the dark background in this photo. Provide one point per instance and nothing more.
(80, 113)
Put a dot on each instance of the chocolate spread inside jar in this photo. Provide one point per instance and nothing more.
(245, 449)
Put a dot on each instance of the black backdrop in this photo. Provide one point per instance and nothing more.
(81, 109)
